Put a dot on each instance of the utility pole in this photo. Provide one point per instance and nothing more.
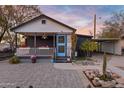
(94, 26)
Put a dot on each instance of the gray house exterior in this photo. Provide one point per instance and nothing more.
(46, 37)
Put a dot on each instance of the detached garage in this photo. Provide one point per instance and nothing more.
(109, 45)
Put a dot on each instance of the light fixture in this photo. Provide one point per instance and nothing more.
(44, 36)
(24, 37)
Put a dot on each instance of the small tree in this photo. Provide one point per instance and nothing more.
(88, 47)
(11, 16)
(114, 26)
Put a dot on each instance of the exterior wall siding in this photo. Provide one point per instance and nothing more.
(37, 26)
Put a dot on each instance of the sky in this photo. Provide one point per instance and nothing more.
(81, 16)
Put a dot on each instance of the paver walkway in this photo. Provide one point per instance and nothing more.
(38, 75)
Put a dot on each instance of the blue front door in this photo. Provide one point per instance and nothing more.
(61, 45)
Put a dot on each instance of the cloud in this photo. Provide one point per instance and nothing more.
(80, 16)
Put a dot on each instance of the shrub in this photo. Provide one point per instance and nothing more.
(14, 60)
(105, 78)
(88, 47)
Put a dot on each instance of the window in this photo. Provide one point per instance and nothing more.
(61, 39)
(43, 21)
(61, 49)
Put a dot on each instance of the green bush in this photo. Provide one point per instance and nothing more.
(14, 60)
(88, 47)
(105, 78)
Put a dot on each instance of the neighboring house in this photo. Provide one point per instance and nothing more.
(80, 40)
(44, 37)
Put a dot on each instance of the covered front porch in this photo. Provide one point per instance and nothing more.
(43, 45)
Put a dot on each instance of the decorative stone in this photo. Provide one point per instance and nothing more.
(96, 83)
(101, 81)
(97, 74)
(93, 74)
(108, 84)
(87, 62)
(87, 73)
(114, 81)
(96, 78)
(120, 80)
(115, 76)
(90, 76)
(119, 86)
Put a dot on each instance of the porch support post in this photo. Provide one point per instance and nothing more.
(54, 46)
(35, 43)
(16, 40)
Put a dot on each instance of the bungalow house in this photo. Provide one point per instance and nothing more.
(44, 37)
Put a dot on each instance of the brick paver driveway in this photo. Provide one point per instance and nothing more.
(38, 75)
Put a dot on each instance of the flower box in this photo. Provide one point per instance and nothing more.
(33, 58)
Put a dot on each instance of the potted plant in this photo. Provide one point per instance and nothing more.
(33, 58)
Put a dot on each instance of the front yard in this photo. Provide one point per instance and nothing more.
(93, 69)
(38, 75)
(45, 74)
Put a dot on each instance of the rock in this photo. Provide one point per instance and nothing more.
(87, 62)
(87, 73)
(115, 76)
(96, 78)
(96, 83)
(96, 71)
(91, 76)
(119, 86)
(97, 74)
(114, 81)
(108, 84)
(120, 80)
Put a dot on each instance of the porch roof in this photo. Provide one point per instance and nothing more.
(41, 33)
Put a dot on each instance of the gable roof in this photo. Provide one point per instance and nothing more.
(42, 15)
